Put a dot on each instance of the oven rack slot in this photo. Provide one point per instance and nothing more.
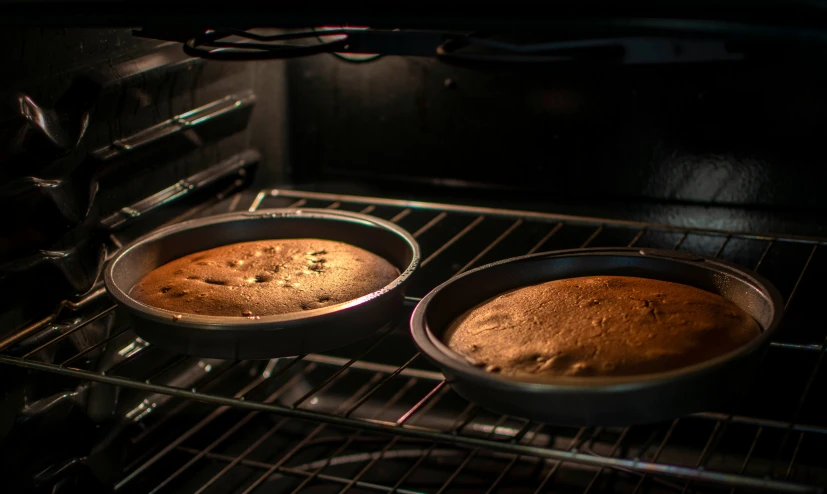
(458, 238)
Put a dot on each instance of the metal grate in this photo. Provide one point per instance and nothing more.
(375, 416)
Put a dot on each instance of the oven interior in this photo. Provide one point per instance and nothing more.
(109, 134)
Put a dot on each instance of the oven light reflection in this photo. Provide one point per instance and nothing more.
(134, 347)
(354, 57)
(268, 371)
(141, 410)
(502, 431)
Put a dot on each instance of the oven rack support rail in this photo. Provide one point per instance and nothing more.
(514, 444)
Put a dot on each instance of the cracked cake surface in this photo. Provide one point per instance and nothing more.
(599, 326)
(265, 277)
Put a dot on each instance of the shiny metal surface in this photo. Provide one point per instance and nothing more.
(600, 401)
(497, 211)
(177, 125)
(237, 165)
(268, 336)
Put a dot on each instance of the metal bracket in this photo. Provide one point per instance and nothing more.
(236, 165)
(175, 125)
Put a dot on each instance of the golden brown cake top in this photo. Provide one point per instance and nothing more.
(265, 277)
(599, 326)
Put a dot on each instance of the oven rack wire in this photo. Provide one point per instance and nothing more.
(447, 233)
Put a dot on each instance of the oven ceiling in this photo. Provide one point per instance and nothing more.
(457, 14)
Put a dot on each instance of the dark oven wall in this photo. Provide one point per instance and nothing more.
(747, 134)
(98, 127)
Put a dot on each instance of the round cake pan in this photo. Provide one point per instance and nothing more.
(606, 401)
(269, 336)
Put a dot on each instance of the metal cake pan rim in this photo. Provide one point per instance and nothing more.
(435, 349)
(223, 323)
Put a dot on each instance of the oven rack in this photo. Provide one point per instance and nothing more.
(446, 233)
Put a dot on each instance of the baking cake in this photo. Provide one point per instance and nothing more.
(599, 326)
(265, 277)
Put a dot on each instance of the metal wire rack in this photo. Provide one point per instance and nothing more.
(376, 417)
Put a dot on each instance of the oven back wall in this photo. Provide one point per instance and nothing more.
(711, 134)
